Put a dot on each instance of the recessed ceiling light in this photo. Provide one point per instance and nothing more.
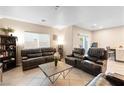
(94, 24)
(43, 20)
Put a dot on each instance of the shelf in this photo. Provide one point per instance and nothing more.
(7, 44)
(8, 47)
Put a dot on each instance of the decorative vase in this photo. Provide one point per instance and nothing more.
(56, 58)
(56, 61)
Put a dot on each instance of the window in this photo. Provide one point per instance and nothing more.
(84, 42)
(36, 40)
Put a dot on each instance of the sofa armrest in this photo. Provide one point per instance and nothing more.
(69, 55)
(115, 79)
(101, 62)
(85, 58)
(24, 58)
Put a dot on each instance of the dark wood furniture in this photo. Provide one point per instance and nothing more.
(1, 75)
(8, 51)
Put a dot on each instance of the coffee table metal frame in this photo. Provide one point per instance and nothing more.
(52, 77)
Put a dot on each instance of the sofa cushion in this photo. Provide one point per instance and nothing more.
(78, 55)
(36, 60)
(91, 67)
(34, 51)
(24, 58)
(49, 58)
(34, 55)
(48, 50)
(91, 58)
(47, 53)
(96, 52)
(94, 59)
(80, 51)
(99, 62)
(90, 64)
(70, 58)
(71, 61)
(25, 52)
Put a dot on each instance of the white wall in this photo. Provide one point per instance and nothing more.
(69, 34)
(77, 32)
(71, 38)
(113, 37)
(68, 40)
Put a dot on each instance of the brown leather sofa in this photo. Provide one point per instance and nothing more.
(94, 63)
(110, 79)
(31, 58)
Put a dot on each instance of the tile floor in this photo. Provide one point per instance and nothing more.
(35, 77)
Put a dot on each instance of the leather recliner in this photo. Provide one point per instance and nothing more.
(77, 55)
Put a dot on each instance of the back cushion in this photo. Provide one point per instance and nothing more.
(37, 52)
(34, 55)
(80, 51)
(97, 52)
(34, 51)
(25, 52)
(92, 58)
(48, 51)
(78, 55)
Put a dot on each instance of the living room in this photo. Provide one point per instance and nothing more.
(57, 29)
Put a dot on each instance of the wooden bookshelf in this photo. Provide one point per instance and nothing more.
(8, 51)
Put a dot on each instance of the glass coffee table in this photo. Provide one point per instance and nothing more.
(53, 72)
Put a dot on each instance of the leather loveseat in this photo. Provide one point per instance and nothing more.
(31, 58)
(110, 79)
(94, 63)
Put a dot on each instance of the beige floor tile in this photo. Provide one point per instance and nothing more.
(35, 77)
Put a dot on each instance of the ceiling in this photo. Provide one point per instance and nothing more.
(88, 17)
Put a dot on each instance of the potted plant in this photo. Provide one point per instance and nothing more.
(6, 30)
(56, 58)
